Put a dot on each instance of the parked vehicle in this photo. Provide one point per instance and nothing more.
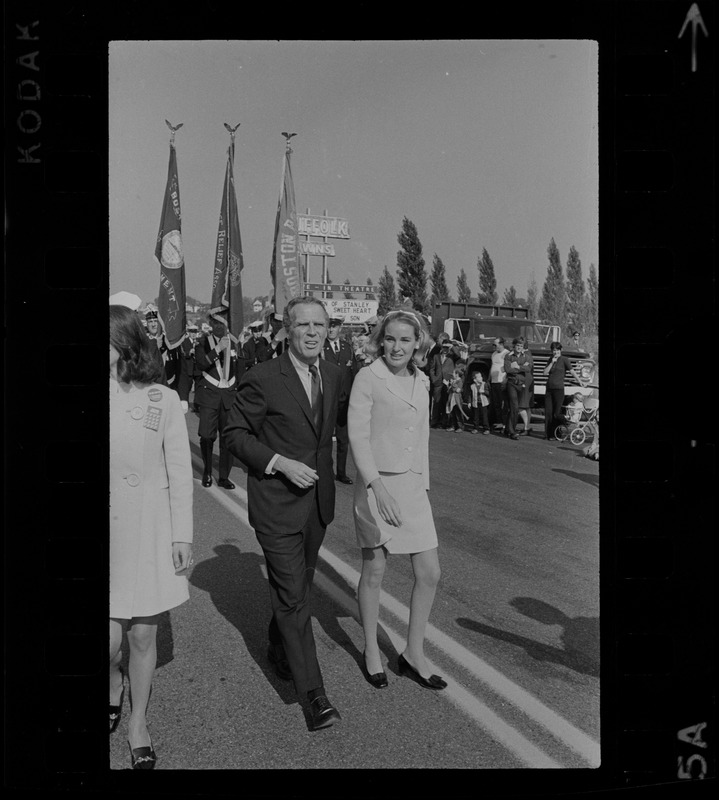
(473, 327)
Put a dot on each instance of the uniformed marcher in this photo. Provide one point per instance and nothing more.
(220, 367)
(340, 352)
(176, 361)
(256, 349)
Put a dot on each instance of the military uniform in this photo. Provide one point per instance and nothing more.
(339, 352)
(214, 395)
(255, 351)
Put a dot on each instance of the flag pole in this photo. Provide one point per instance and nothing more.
(226, 366)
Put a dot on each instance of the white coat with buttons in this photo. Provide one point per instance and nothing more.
(150, 500)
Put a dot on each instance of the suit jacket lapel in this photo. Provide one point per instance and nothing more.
(380, 369)
(294, 385)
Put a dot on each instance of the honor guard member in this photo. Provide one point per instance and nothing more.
(340, 352)
(219, 368)
(256, 349)
(176, 361)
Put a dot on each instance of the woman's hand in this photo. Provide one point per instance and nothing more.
(181, 555)
(386, 504)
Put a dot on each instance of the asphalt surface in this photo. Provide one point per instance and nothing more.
(514, 629)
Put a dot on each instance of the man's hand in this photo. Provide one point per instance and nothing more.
(298, 473)
(184, 405)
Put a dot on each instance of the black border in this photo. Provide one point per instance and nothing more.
(657, 487)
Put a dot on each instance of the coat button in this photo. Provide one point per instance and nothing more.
(137, 412)
(409, 449)
(133, 480)
(411, 428)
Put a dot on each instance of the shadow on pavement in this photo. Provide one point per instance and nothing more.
(580, 636)
(238, 589)
(592, 480)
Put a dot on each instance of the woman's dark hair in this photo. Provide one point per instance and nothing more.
(127, 336)
(555, 346)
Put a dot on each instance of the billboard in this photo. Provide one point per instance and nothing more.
(353, 312)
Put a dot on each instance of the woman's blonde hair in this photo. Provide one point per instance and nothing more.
(406, 315)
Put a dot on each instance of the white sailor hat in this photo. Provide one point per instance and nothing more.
(256, 324)
(131, 301)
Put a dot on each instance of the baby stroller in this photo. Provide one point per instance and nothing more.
(580, 423)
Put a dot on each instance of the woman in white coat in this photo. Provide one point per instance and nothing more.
(150, 518)
(388, 424)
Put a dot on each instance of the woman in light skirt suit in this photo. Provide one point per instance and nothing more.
(388, 424)
(150, 518)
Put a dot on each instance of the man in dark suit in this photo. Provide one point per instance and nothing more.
(219, 369)
(440, 374)
(338, 351)
(280, 427)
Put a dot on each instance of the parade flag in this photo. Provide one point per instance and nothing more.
(226, 278)
(285, 267)
(169, 256)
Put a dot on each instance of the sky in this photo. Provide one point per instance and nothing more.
(480, 143)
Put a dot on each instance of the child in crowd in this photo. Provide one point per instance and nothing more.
(575, 408)
(455, 412)
(480, 402)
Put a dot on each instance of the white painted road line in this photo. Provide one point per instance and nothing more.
(570, 735)
(562, 729)
(466, 702)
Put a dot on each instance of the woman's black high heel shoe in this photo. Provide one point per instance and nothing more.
(142, 757)
(378, 679)
(116, 711)
(433, 682)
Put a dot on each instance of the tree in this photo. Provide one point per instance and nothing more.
(532, 297)
(370, 282)
(554, 296)
(411, 275)
(593, 299)
(510, 297)
(348, 295)
(576, 305)
(386, 295)
(464, 293)
(487, 281)
(438, 281)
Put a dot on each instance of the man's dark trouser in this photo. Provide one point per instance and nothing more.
(291, 559)
(213, 420)
(439, 405)
(513, 393)
(343, 443)
(553, 402)
(499, 403)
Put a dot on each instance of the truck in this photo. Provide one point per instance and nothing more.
(473, 327)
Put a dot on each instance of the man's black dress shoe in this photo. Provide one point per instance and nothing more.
(142, 757)
(207, 480)
(323, 713)
(344, 479)
(280, 663)
(225, 484)
(433, 682)
(116, 711)
(378, 679)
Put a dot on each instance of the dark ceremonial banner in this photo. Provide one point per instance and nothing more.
(285, 267)
(170, 258)
(226, 278)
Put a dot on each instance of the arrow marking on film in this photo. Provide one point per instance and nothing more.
(694, 16)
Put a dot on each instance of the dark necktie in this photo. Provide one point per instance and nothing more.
(316, 396)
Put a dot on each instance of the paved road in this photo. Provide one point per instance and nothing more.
(514, 629)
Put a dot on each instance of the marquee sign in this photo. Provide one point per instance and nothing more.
(353, 312)
(330, 227)
(340, 287)
(317, 249)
